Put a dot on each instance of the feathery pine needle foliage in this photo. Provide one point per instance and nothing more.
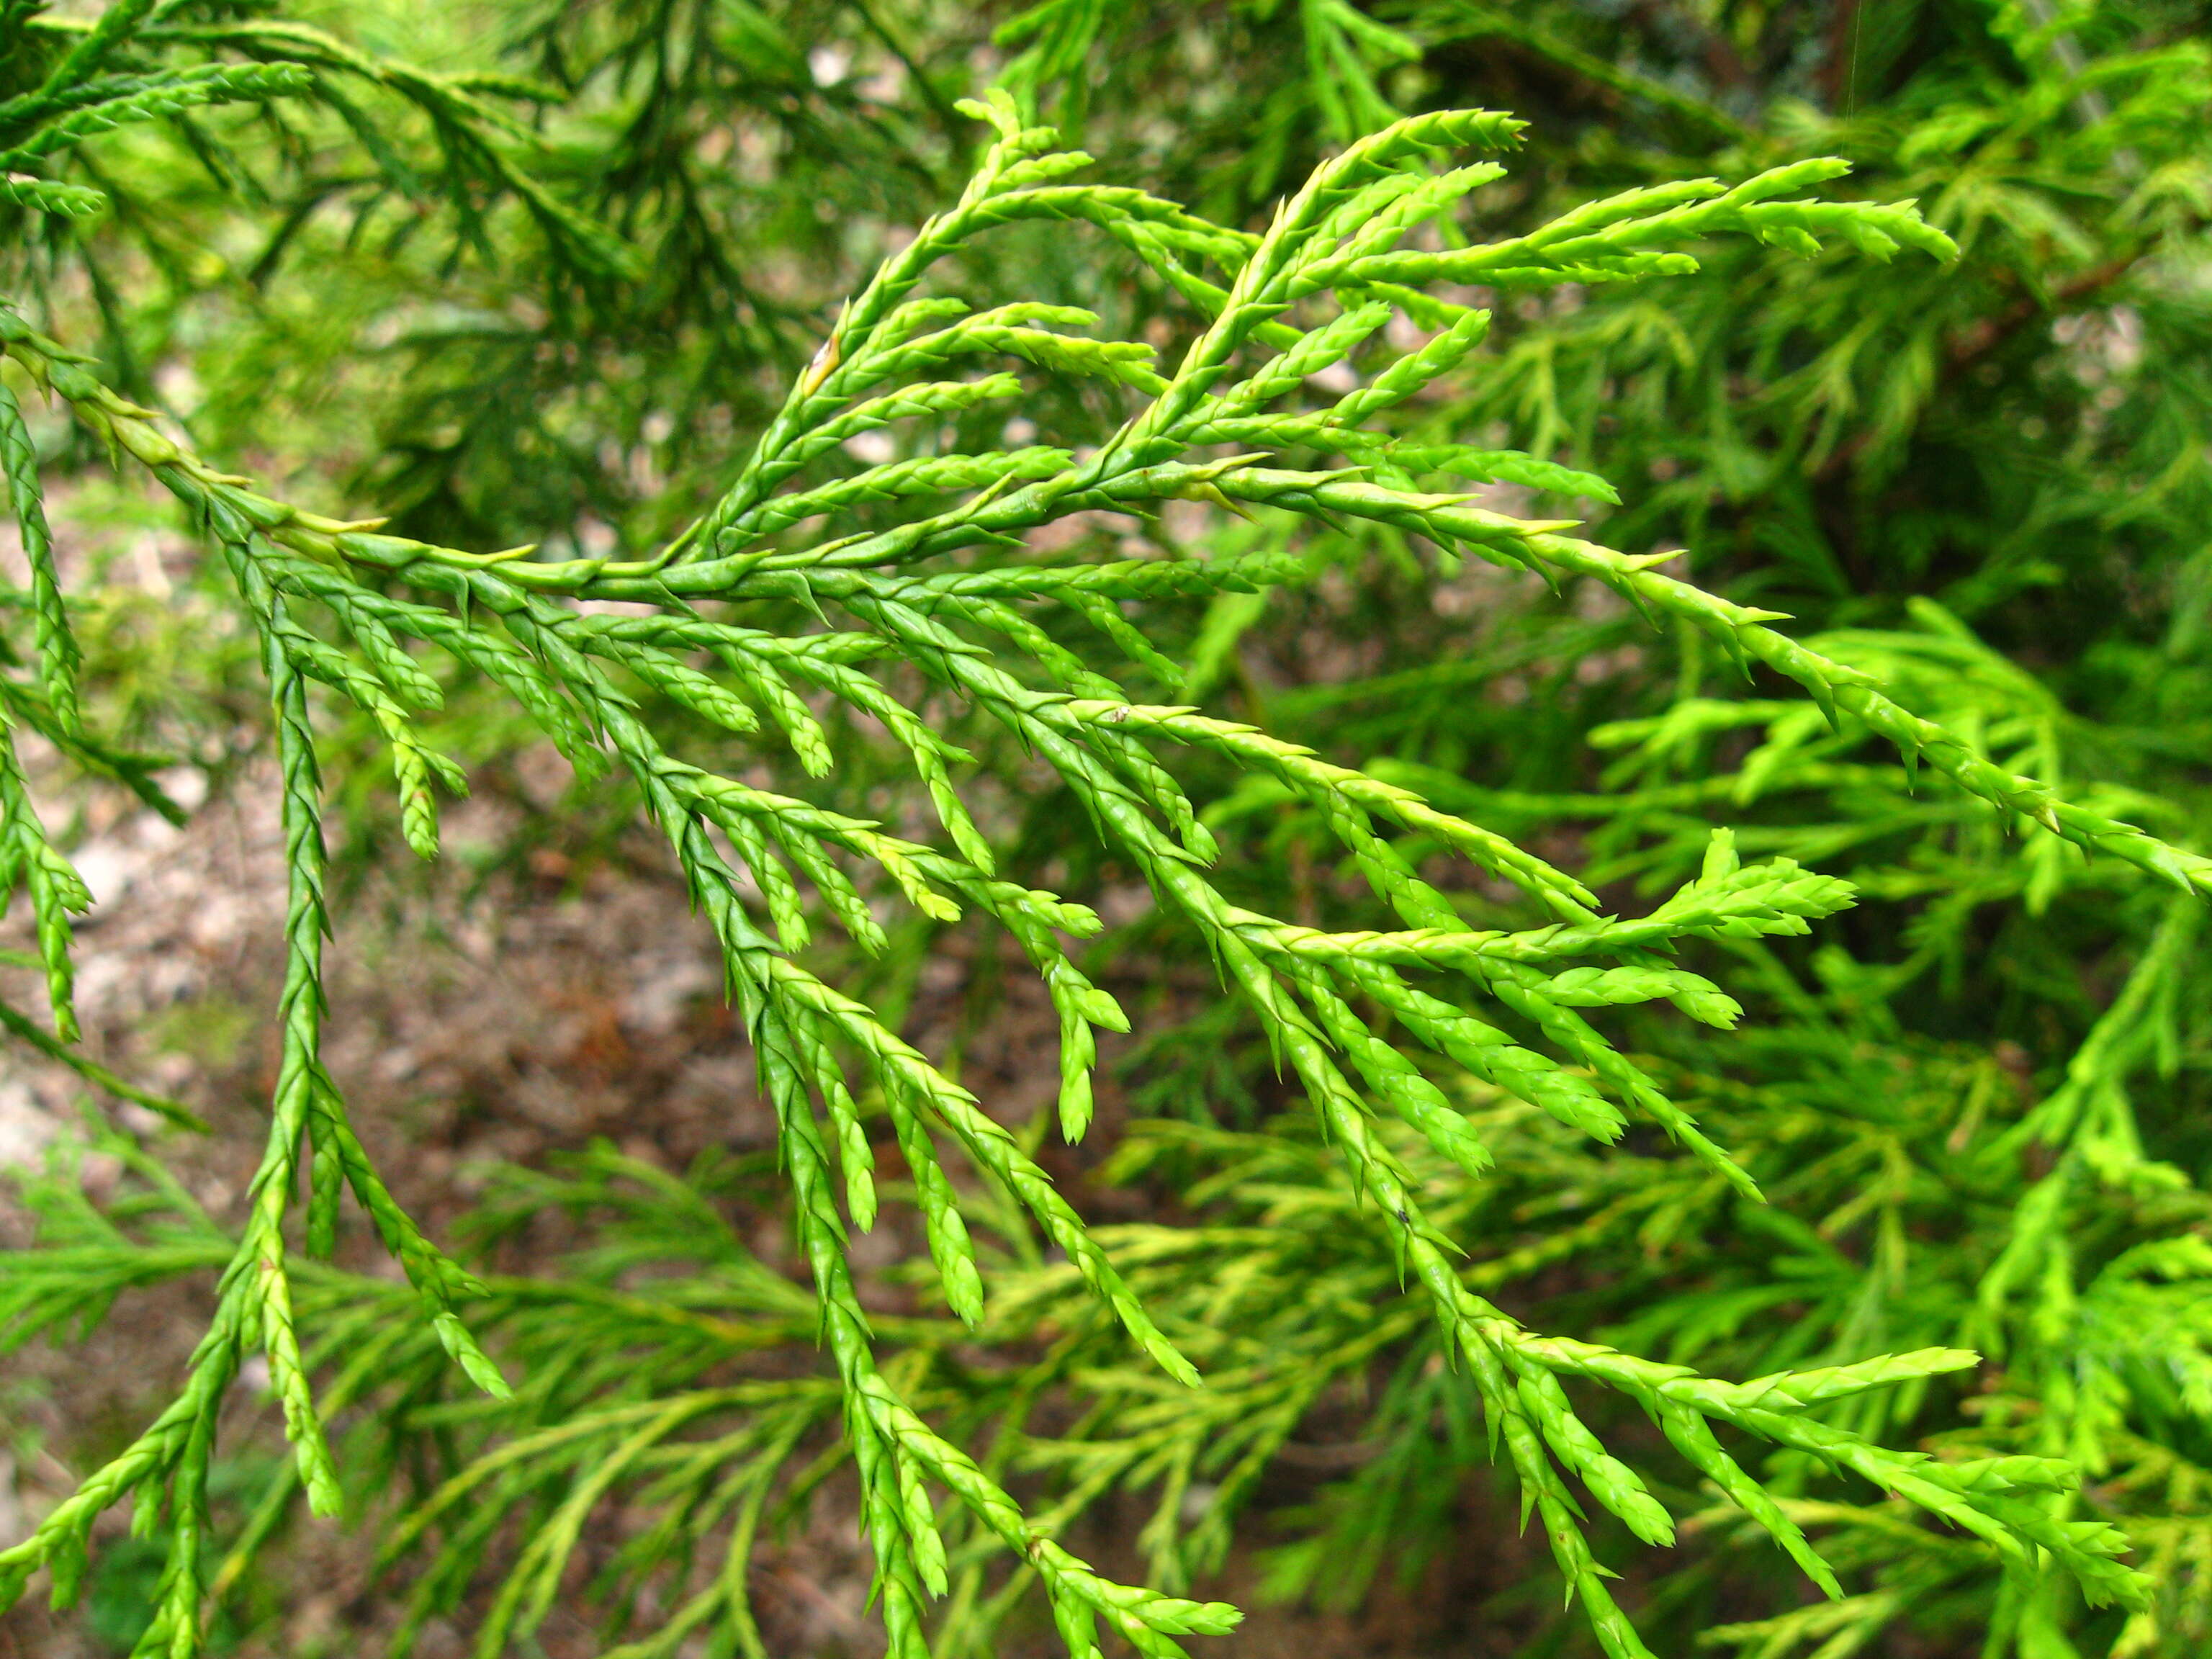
(1488, 1093)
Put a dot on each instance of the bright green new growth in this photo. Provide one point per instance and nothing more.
(948, 594)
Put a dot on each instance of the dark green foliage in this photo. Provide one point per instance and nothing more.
(1912, 1151)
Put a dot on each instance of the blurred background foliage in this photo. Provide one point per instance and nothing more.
(1977, 1102)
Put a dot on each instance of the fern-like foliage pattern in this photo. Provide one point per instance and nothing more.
(920, 564)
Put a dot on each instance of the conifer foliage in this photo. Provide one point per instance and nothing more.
(1438, 1061)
